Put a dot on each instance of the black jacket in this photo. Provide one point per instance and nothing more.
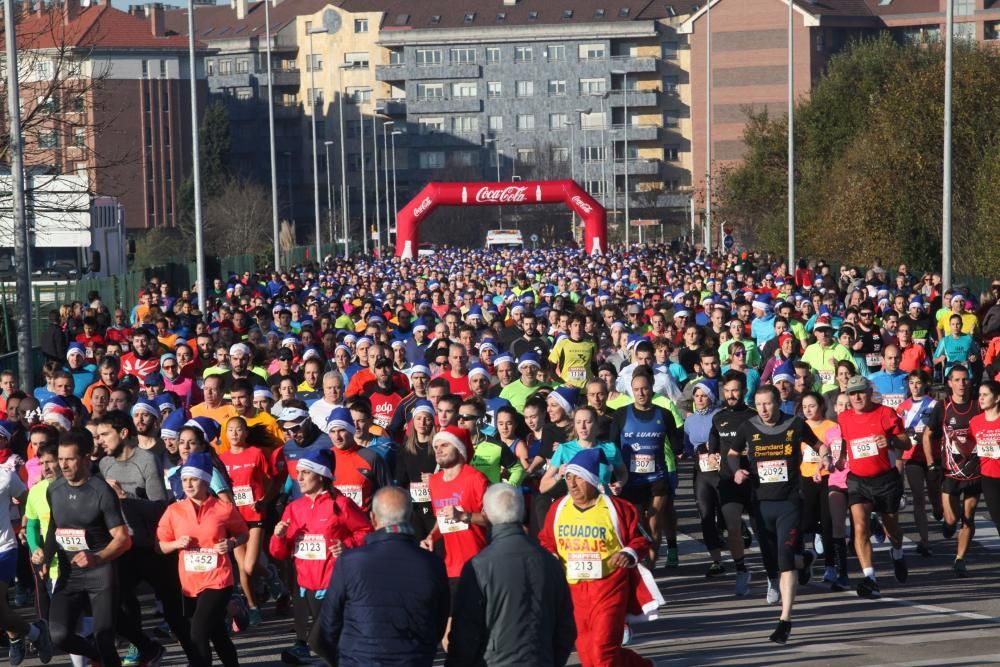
(386, 604)
(513, 606)
(53, 343)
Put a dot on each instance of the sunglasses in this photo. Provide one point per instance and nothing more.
(739, 353)
(468, 418)
(292, 429)
(867, 314)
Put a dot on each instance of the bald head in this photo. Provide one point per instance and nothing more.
(390, 506)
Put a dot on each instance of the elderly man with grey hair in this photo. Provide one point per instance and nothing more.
(387, 604)
(513, 604)
(333, 397)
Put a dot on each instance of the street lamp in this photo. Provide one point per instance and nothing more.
(364, 189)
(385, 172)
(329, 190)
(199, 241)
(343, 154)
(313, 111)
(708, 129)
(604, 148)
(395, 203)
(270, 132)
(378, 211)
(625, 157)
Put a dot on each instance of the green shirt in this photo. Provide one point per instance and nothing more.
(492, 459)
(36, 509)
(517, 394)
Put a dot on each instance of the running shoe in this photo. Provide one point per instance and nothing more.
(841, 584)
(876, 528)
(155, 656)
(742, 583)
(780, 634)
(18, 650)
(253, 616)
(948, 529)
(829, 574)
(868, 588)
(959, 567)
(297, 654)
(773, 591)
(673, 559)
(818, 546)
(902, 502)
(924, 550)
(627, 635)
(715, 569)
(806, 572)
(131, 658)
(900, 569)
(44, 644)
(938, 513)
(747, 536)
(162, 631)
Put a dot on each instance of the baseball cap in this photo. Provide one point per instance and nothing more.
(856, 383)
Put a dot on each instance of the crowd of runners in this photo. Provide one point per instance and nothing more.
(267, 444)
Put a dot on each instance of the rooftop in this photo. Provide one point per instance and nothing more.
(98, 26)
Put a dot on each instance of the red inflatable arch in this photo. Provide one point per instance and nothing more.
(408, 219)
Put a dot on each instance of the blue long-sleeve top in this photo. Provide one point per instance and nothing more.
(697, 426)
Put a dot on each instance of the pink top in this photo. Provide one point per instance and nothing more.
(835, 441)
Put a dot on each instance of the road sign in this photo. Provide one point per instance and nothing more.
(534, 238)
(645, 223)
(729, 242)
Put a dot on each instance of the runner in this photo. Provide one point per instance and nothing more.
(837, 466)
(697, 431)
(771, 442)
(924, 482)
(815, 487)
(361, 472)
(869, 431)
(203, 531)
(573, 357)
(984, 432)
(415, 464)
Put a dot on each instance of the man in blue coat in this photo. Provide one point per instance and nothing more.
(388, 601)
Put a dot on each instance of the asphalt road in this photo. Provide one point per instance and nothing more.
(934, 619)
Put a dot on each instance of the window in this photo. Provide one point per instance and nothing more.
(465, 124)
(592, 120)
(599, 13)
(670, 119)
(501, 17)
(163, 69)
(145, 69)
(592, 86)
(360, 25)
(492, 55)
(396, 57)
(494, 89)
(432, 160)
(526, 155)
(525, 121)
(525, 88)
(464, 89)
(430, 90)
(430, 125)
(244, 94)
(80, 137)
(317, 95)
(558, 121)
(965, 31)
(556, 52)
(470, 17)
(496, 123)
(354, 162)
(43, 69)
(669, 50)
(428, 57)
(465, 158)
(463, 56)
(559, 154)
(47, 104)
(992, 30)
(592, 153)
(670, 153)
(592, 52)
(355, 59)
(48, 139)
(964, 8)
(623, 12)
(435, 19)
(523, 54)
(78, 104)
(352, 127)
(210, 67)
(242, 66)
(402, 19)
(80, 168)
(567, 13)
(670, 84)
(532, 16)
(225, 67)
(557, 87)
(358, 95)
(314, 62)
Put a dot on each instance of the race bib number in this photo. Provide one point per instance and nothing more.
(200, 560)
(643, 464)
(586, 566)
(771, 472)
(706, 463)
(988, 450)
(450, 525)
(892, 400)
(873, 359)
(311, 547)
(352, 491)
(862, 448)
(420, 493)
(576, 374)
(72, 539)
(826, 377)
(243, 496)
(809, 455)
(836, 446)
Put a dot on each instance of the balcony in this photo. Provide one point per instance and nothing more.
(282, 77)
(392, 106)
(445, 105)
(415, 72)
(634, 64)
(286, 111)
(635, 133)
(638, 167)
(445, 138)
(636, 98)
(241, 80)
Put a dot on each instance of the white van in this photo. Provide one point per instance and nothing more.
(504, 238)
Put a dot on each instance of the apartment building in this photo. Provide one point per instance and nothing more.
(106, 94)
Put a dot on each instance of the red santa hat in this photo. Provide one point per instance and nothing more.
(457, 437)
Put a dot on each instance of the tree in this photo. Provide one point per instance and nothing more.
(238, 219)
(214, 142)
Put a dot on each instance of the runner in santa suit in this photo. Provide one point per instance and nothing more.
(598, 540)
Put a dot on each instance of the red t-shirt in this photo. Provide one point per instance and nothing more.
(859, 429)
(250, 472)
(459, 386)
(384, 405)
(354, 476)
(986, 436)
(133, 365)
(462, 541)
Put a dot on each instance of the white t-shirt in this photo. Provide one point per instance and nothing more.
(11, 486)
(320, 411)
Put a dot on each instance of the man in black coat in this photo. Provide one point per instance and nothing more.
(513, 605)
(387, 602)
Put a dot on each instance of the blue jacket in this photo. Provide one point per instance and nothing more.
(387, 604)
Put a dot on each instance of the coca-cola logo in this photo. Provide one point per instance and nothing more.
(422, 207)
(582, 205)
(510, 194)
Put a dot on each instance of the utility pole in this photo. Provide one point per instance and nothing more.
(270, 131)
(791, 140)
(199, 240)
(946, 176)
(25, 368)
(708, 127)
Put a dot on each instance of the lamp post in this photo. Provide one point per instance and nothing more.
(625, 127)
(604, 151)
(270, 132)
(378, 211)
(708, 128)
(385, 173)
(199, 241)
(364, 190)
(315, 148)
(791, 145)
(343, 153)
(395, 202)
(946, 171)
(329, 189)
